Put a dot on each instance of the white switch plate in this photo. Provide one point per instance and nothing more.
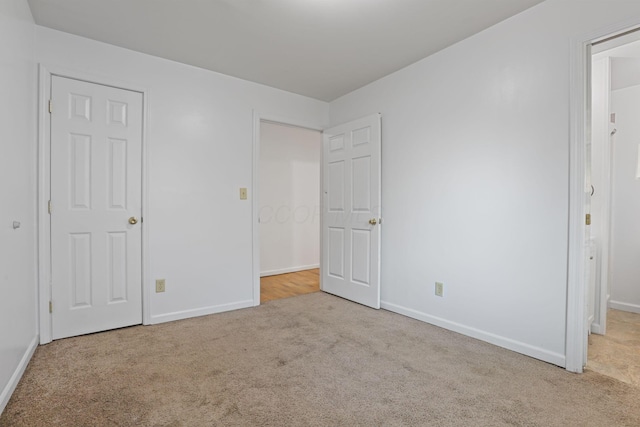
(160, 285)
(243, 194)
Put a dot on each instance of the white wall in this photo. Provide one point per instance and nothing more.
(625, 235)
(289, 198)
(476, 173)
(18, 335)
(199, 137)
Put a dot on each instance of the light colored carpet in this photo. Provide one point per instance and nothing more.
(313, 360)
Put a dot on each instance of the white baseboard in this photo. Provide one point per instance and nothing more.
(17, 374)
(517, 346)
(186, 314)
(617, 305)
(288, 270)
(596, 328)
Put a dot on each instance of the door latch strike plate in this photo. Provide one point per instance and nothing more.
(587, 219)
(50, 306)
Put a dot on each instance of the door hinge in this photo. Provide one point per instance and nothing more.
(50, 107)
(587, 219)
(49, 207)
(50, 306)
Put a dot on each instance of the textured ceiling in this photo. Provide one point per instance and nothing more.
(318, 48)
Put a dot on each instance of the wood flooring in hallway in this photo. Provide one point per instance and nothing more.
(289, 285)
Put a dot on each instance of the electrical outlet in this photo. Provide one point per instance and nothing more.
(243, 194)
(160, 283)
(439, 289)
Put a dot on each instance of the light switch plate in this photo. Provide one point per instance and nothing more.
(160, 285)
(243, 194)
(439, 289)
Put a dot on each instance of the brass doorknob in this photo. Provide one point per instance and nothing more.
(133, 220)
(373, 221)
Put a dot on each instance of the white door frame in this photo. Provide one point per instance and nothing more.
(255, 197)
(576, 285)
(44, 191)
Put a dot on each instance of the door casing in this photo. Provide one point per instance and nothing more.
(43, 191)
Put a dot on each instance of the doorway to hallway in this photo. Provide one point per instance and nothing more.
(289, 210)
(613, 173)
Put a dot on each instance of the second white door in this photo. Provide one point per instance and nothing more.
(96, 201)
(351, 212)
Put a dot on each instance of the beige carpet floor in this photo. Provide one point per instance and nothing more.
(313, 360)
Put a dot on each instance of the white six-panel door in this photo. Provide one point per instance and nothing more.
(96, 192)
(351, 213)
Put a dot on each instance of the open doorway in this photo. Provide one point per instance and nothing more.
(613, 172)
(289, 164)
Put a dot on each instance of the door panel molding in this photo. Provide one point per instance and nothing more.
(46, 73)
